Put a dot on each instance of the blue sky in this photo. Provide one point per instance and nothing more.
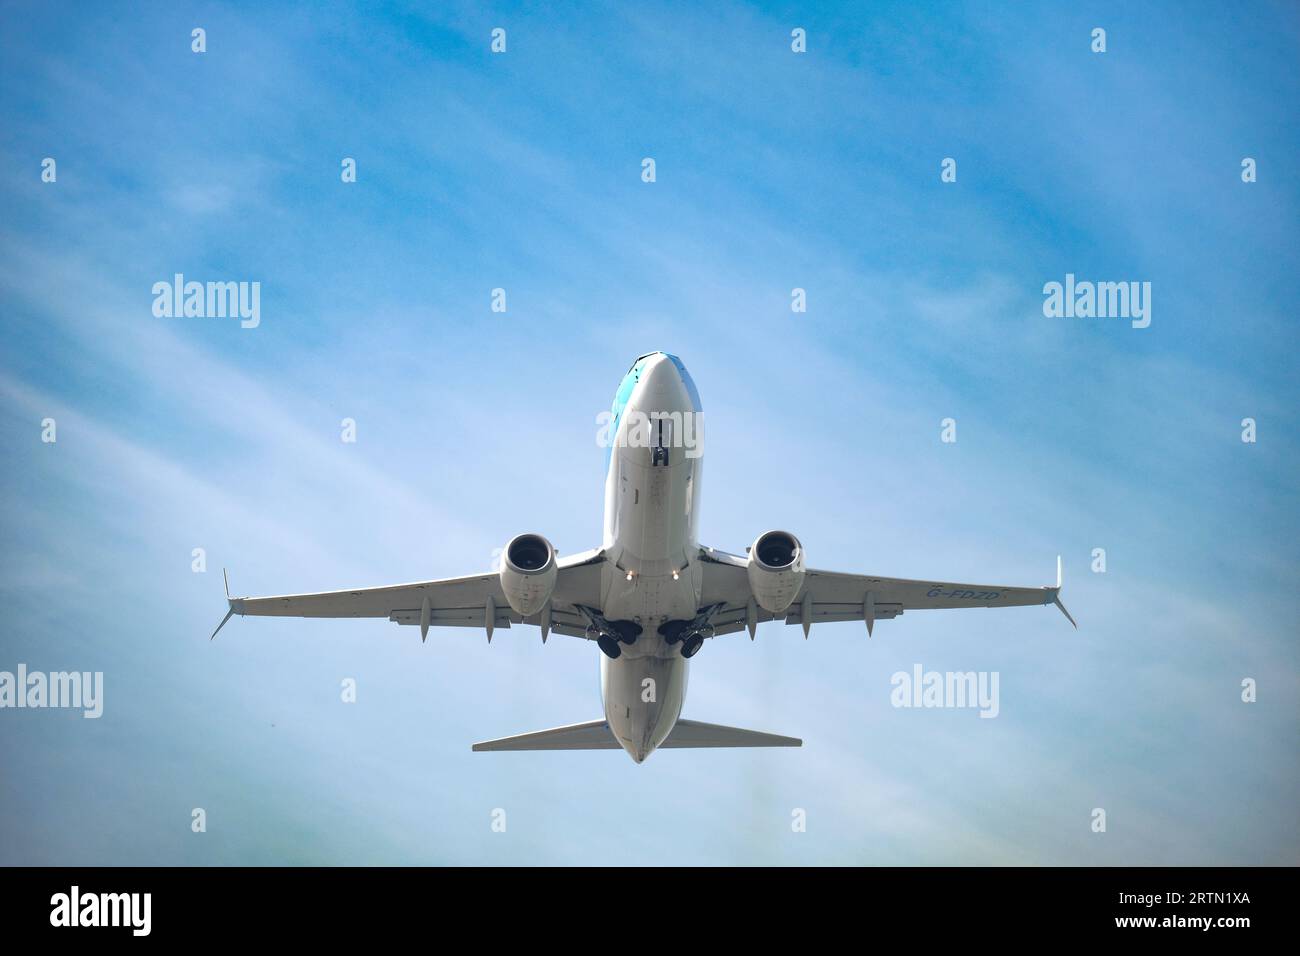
(774, 171)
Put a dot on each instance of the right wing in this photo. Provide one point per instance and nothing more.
(827, 596)
(474, 601)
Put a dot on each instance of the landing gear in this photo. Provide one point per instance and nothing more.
(626, 631)
(608, 635)
(690, 634)
(672, 631)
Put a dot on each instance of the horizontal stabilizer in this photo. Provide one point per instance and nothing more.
(596, 735)
(693, 733)
(593, 735)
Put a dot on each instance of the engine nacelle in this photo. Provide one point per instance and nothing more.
(528, 571)
(775, 570)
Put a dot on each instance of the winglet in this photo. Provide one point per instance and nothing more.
(1056, 595)
(1057, 601)
(229, 615)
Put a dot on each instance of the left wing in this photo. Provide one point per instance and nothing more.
(474, 601)
(827, 596)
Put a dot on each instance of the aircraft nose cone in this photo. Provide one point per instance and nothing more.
(663, 388)
(660, 374)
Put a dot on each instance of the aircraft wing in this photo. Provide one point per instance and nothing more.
(833, 596)
(473, 601)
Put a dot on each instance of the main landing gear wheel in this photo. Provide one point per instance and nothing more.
(672, 631)
(692, 644)
(609, 646)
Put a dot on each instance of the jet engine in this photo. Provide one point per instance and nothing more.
(775, 570)
(528, 573)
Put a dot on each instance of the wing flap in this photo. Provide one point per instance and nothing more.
(825, 613)
(457, 616)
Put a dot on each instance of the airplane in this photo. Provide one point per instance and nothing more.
(651, 595)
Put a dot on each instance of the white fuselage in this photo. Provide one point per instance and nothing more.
(652, 574)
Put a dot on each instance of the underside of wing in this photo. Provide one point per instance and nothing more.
(828, 596)
(474, 601)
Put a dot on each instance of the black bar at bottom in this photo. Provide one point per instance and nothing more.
(332, 905)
